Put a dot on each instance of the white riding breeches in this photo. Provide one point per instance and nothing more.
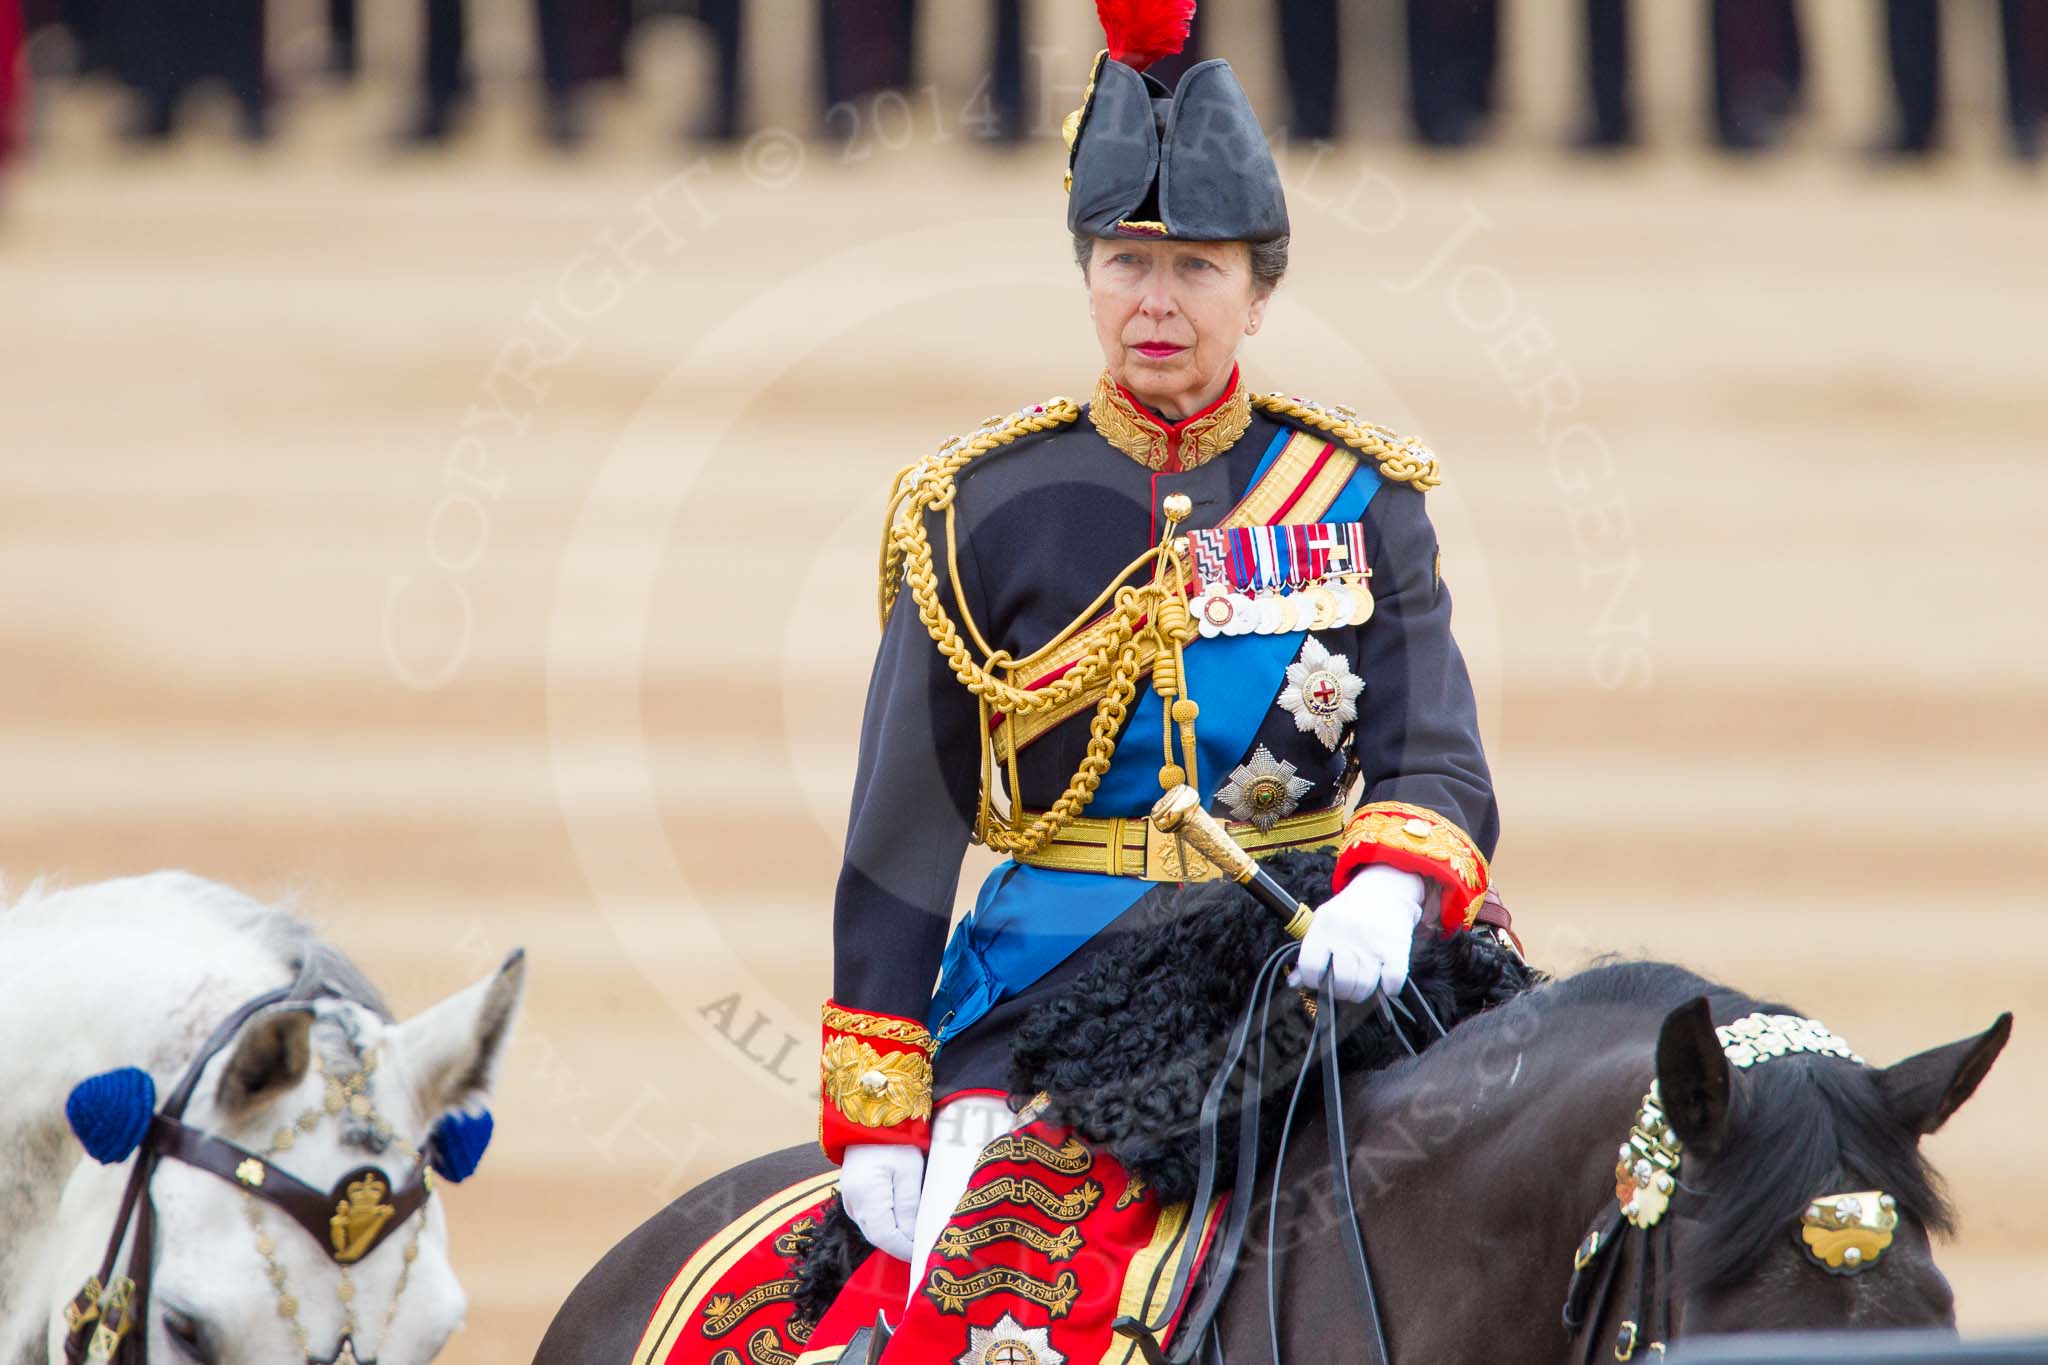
(960, 1130)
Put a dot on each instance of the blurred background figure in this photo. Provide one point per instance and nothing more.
(1008, 90)
(1758, 73)
(1310, 61)
(1913, 44)
(1453, 54)
(162, 50)
(84, 23)
(1610, 116)
(723, 118)
(446, 81)
(2025, 27)
(344, 45)
(579, 42)
(596, 33)
(13, 80)
(867, 47)
(1759, 66)
(864, 48)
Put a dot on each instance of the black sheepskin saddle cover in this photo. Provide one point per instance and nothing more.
(1125, 1055)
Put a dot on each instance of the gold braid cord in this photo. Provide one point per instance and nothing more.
(864, 1025)
(1400, 460)
(1152, 610)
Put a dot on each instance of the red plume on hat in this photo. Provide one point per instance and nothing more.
(1140, 32)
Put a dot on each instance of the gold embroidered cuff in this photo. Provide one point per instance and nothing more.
(876, 1089)
(1417, 839)
(874, 1080)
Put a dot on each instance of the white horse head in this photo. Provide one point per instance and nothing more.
(321, 1092)
(316, 1087)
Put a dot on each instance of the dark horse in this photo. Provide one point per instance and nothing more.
(1476, 1168)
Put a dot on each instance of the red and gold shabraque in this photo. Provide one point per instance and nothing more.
(1051, 1244)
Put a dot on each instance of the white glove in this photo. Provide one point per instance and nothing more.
(879, 1184)
(1361, 935)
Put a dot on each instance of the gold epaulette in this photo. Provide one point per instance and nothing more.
(1399, 459)
(927, 484)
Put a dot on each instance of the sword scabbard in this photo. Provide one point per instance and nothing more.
(1180, 813)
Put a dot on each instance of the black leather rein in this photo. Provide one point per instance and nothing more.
(1244, 1054)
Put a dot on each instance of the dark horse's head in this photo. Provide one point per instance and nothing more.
(1766, 1232)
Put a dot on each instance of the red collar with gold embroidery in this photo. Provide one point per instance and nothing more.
(1163, 446)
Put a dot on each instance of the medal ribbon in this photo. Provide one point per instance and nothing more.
(1255, 559)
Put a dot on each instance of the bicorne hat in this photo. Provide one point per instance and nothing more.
(1142, 161)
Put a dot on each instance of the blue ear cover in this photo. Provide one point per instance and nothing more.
(458, 1144)
(110, 1112)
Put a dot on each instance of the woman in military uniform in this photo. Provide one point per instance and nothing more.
(1180, 581)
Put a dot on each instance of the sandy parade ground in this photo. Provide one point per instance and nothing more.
(481, 550)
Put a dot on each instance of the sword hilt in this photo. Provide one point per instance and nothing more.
(1180, 813)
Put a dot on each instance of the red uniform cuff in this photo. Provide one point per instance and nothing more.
(875, 1081)
(1418, 840)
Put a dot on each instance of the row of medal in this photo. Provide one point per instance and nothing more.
(1276, 580)
(1342, 601)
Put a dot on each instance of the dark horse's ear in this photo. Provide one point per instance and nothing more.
(1692, 1078)
(270, 1057)
(1925, 1089)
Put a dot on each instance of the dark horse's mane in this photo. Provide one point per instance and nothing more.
(1125, 1055)
(1800, 1125)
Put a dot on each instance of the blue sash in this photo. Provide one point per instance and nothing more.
(1028, 920)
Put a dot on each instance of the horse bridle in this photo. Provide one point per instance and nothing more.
(348, 1222)
(1646, 1189)
(1842, 1233)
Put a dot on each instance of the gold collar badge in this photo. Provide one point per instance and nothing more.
(1140, 435)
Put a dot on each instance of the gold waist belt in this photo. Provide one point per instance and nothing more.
(1133, 848)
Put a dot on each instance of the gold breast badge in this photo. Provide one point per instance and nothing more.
(1264, 790)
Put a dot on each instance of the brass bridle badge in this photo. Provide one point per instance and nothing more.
(1648, 1170)
(1841, 1233)
(1845, 1233)
(359, 1218)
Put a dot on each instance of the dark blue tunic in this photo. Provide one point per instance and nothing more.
(1043, 525)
